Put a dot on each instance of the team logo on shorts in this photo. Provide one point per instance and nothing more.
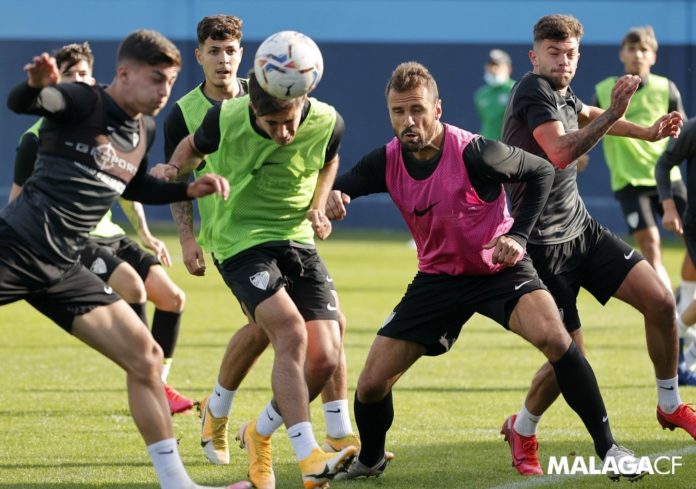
(446, 342)
(632, 220)
(388, 320)
(98, 267)
(260, 280)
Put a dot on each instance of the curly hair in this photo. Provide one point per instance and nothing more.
(558, 28)
(71, 54)
(219, 28)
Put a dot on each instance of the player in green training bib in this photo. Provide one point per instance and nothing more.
(219, 54)
(281, 157)
(632, 162)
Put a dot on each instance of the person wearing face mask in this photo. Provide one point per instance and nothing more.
(491, 99)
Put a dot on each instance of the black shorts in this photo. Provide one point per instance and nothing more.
(58, 292)
(435, 307)
(640, 205)
(102, 257)
(259, 272)
(597, 260)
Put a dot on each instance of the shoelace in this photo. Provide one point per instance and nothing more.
(219, 431)
(530, 448)
(266, 463)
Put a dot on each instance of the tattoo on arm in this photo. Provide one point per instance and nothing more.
(580, 142)
(135, 213)
(182, 213)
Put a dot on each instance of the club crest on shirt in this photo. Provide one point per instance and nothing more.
(106, 158)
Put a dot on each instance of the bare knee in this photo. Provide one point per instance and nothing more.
(289, 338)
(163, 292)
(147, 366)
(322, 364)
(370, 388)
(554, 344)
(129, 285)
(661, 309)
(174, 302)
(252, 339)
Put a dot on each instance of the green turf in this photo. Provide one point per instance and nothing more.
(64, 420)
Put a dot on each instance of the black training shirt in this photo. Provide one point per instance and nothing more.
(91, 152)
(533, 102)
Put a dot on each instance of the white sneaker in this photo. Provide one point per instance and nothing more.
(624, 462)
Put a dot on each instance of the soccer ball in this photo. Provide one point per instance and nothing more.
(288, 65)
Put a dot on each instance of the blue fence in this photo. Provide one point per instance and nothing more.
(362, 41)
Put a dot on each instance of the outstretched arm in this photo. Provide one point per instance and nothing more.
(184, 160)
(29, 98)
(668, 125)
(563, 148)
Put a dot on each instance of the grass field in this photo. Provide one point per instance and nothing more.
(64, 420)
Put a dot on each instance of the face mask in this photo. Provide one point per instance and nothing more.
(493, 80)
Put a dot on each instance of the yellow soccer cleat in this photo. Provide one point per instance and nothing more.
(319, 467)
(213, 435)
(260, 455)
(338, 444)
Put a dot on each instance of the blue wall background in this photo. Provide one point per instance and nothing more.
(362, 41)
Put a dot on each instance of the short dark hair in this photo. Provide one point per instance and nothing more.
(645, 36)
(219, 28)
(71, 54)
(558, 28)
(262, 102)
(149, 47)
(410, 75)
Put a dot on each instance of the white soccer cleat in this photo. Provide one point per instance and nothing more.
(622, 462)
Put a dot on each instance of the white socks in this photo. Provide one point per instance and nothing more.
(166, 367)
(687, 293)
(526, 422)
(668, 394)
(337, 418)
(302, 439)
(268, 421)
(220, 401)
(168, 465)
